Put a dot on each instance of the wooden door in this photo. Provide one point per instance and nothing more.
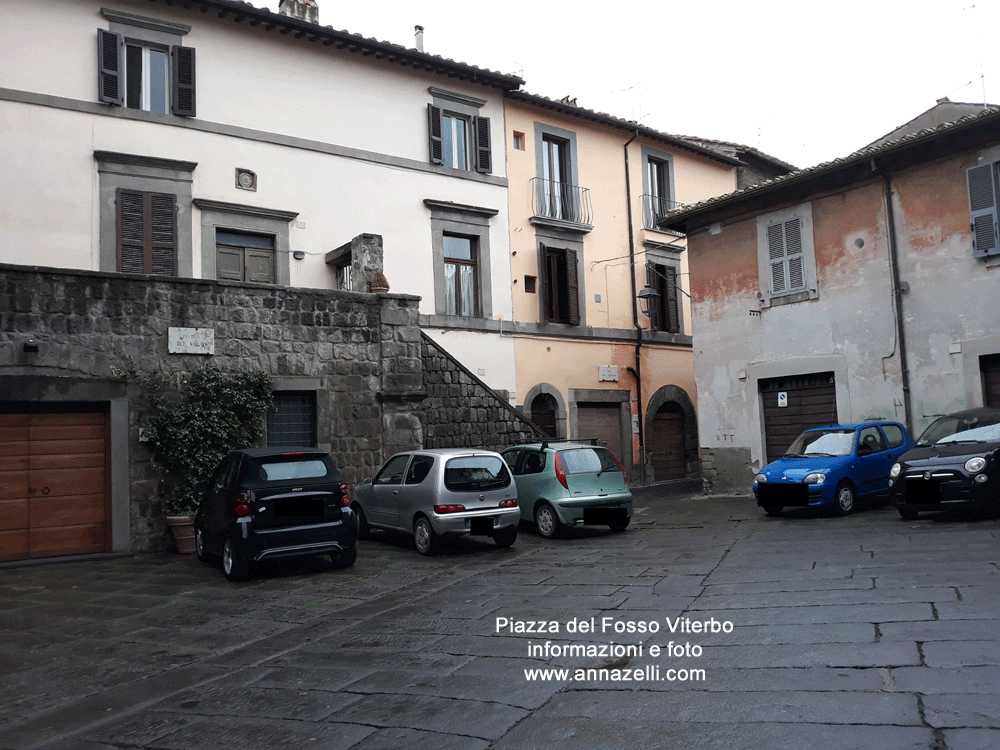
(666, 446)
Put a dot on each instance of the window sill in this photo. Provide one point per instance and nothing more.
(789, 299)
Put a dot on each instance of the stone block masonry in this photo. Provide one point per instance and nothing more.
(380, 385)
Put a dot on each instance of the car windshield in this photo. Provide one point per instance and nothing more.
(472, 473)
(285, 468)
(832, 442)
(977, 429)
(588, 461)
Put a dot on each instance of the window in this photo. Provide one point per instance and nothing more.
(518, 141)
(420, 467)
(458, 136)
(529, 284)
(664, 310)
(244, 257)
(460, 275)
(556, 196)
(144, 75)
(786, 257)
(658, 199)
(894, 435)
(562, 290)
(345, 277)
(147, 233)
(392, 472)
(292, 419)
(983, 209)
(556, 187)
(870, 441)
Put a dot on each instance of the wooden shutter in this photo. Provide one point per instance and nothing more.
(672, 301)
(484, 153)
(572, 288)
(776, 258)
(436, 137)
(182, 81)
(654, 305)
(787, 263)
(147, 233)
(983, 210)
(110, 65)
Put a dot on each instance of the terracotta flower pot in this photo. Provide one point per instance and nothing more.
(182, 527)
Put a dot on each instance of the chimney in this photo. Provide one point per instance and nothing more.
(304, 10)
(418, 33)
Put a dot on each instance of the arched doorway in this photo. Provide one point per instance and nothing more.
(543, 414)
(665, 443)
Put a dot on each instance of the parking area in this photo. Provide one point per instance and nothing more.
(704, 624)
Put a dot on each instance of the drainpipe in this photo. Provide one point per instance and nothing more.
(897, 294)
(637, 370)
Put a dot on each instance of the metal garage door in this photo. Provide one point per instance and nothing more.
(808, 401)
(666, 446)
(53, 484)
(990, 368)
(600, 420)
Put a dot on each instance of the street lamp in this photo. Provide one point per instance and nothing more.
(646, 296)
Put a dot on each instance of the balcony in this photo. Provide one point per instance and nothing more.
(560, 204)
(655, 208)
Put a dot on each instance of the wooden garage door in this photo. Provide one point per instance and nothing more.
(666, 446)
(53, 484)
(990, 367)
(811, 401)
(600, 420)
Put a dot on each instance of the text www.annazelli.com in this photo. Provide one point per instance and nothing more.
(650, 673)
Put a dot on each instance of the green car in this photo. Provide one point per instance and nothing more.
(568, 484)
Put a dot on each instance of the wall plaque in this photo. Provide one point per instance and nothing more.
(191, 340)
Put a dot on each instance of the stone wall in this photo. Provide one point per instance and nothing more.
(462, 411)
(362, 355)
(726, 471)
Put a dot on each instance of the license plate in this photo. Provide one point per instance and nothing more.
(923, 491)
(605, 516)
(782, 494)
(483, 525)
(298, 506)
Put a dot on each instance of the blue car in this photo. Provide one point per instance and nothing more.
(832, 466)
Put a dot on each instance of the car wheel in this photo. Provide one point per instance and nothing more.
(843, 499)
(233, 567)
(908, 514)
(199, 545)
(424, 537)
(546, 521)
(363, 528)
(773, 510)
(345, 558)
(505, 537)
(621, 526)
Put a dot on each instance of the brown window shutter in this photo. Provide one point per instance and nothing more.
(672, 309)
(182, 99)
(573, 288)
(655, 305)
(131, 231)
(484, 154)
(436, 136)
(163, 235)
(110, 56)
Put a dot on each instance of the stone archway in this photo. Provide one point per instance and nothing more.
(553, 408)
(670, 431)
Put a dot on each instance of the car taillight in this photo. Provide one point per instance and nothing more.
(239, 506)
(620, 466)
(449, 508)
(560, 474)
(241, 510)
(508, 503)
(345, 497)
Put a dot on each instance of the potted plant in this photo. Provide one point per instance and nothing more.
(379, 283)
(179, 510)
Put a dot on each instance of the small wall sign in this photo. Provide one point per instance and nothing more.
(191, 340)
(607, 372)
(782, 398)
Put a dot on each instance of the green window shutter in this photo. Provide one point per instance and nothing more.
(436, 136)
(110, 66)
(572, 288)
(983, 210)
(182, 100)
(484, 153)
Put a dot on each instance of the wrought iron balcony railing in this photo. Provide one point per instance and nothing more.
(655, 208)
(558, 200)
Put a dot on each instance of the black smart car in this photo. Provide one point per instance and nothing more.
(954, 464)
(269, 503)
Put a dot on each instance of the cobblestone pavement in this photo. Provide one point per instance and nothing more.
(857, 632)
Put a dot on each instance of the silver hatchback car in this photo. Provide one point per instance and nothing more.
(439, 491)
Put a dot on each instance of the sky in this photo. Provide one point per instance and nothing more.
(797, 81)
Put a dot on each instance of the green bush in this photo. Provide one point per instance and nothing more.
(195, 426)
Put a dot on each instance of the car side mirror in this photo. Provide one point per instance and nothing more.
(201, 487)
